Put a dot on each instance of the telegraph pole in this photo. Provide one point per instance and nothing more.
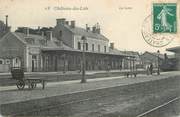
(158, 72)
(83, 80)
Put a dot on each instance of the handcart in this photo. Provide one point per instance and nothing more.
(18, 74)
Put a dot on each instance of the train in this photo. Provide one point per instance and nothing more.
(170, 64)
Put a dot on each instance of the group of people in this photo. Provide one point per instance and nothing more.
(149, 69)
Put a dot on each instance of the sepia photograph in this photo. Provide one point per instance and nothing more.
(87, 58)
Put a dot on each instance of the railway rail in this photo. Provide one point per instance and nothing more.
(89, 99)
(58, 105)
(158, 107)
(80, 100)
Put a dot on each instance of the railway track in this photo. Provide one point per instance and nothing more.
(59, 105)
(144, 114)
(105, 97)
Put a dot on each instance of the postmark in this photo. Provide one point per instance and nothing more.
(154, 39)
(160, 27)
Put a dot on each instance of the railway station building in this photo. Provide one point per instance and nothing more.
(148, 58)
(61, 49)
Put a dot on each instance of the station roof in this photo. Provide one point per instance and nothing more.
(36, 38)
(174, 49)
(111, 51)
(53, 46)
(83, 32)
(161, 56)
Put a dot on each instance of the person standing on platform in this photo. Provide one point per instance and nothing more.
(147, 69)
(151, 68)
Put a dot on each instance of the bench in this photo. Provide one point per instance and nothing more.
(154, 71)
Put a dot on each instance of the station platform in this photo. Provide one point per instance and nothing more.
(61, 73)
(10, 94)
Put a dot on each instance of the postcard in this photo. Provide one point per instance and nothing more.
(76, 58)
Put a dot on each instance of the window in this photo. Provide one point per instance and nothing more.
(92, 47)
(99, 48)
(34, 57)
(86, 46)
(7, 61)
(1, 62)
(104, 48)
(29, 40)
(16, 60)
(60, 33)
(79, 46)
(42, 42)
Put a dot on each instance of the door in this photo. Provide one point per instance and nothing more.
(33, 64)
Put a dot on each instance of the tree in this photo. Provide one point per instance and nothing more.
(37, 31)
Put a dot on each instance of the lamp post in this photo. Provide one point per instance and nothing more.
(64, 64)
(158, 72)
(83, 80)
(133, 64)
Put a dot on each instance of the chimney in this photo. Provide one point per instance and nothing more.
(87, 28)
(6, 21)
(73, 24)
(67, 22)
(94, 29)
(165, 56)
(98, 30)
(112, 45)
(49, 35)
(42, 33)
(27, 31)
(60, 21)
(38, 30)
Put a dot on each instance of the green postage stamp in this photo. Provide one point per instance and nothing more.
(164, 18)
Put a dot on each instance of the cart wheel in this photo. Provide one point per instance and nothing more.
(20, 85)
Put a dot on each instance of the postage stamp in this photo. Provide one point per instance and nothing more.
(154, 39)
(160, 27)
(164, 18)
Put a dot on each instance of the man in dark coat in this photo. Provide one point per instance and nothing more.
(151, 68)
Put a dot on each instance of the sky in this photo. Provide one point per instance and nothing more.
(120, 20)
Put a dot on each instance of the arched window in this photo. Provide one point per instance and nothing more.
(16, 60)
(92, 47)
(86, 46)
(99, 48)
(79, 46)
(104, 48)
